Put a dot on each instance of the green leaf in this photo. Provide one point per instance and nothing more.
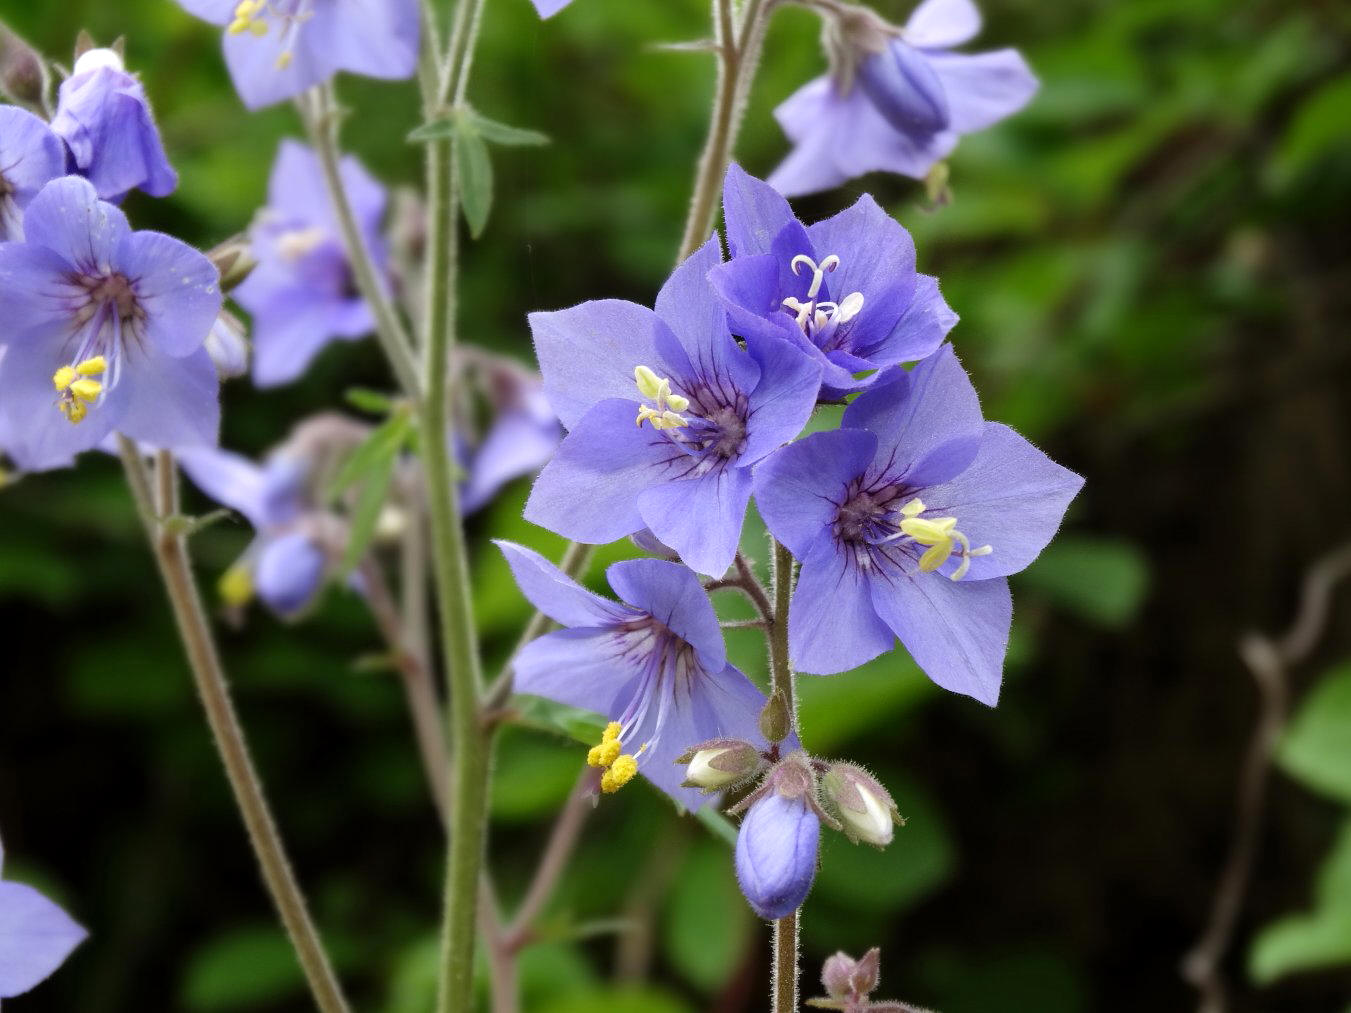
(366, 513)
(371, 401)
(707, 925)
(622, 999)
(243, 969)
(1102, 580)
(476, 180)
(572, 722)
(380, 448)
(435, 130)
(500, 133)
(1316, 747)
(1317, 127)
(534, 775)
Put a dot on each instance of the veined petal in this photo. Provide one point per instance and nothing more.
(957, 631)
(942, 24)
(754, 213)
(32, 156)
(36, 937)
(584, 667)
(67, 218)
(783, 400)
(905, 89)
(172, 401)
(589, 491)
(1012, 497)
(35, 293)
(588, 353)
(799, 489)
(751, 295)
(177, 287)
(700, 517)
(671, 594)
(556, 594)
(832, 624)
(927, 422)
(984, 88)
(921, 329)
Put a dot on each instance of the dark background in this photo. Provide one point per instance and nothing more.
(1153, 269)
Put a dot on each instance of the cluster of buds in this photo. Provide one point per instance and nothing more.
(790, 796)
(849, 983)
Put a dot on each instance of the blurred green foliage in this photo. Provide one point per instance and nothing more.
(1152, 272)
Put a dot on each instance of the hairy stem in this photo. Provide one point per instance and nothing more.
(784, 986)
(738, 48)
(171, 555)
(470, 740)
(322, 122)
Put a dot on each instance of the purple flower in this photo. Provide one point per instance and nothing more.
(548, 8)
(907, 522)
(776, 854)
(104, 117)
(36, 936)
(301, 294)
(104, 331)
(276, 49)
(522, 438)
(31, 156)
(655, 665)
(706, 411)
(844, 290)
(287, 562)
(900, 102)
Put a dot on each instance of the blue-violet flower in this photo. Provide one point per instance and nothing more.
(31, 156)
(36, 936)
(776, 851)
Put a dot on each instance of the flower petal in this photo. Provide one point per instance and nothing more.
(920, 330)
(584, 667)
(927, 422)
(782, 401)
(832, 625)
(799, 489)
(754, 213)
(31, 155)
(68, 218)
(905, 89)
(36, 937)
(171, 401)
(289, 573)
(942, 24)
(1012, 497)
(556, 594)
(177, 288)
(700, 517)
(984, 88)
(377, 40)
(517, 444)
(228, 478)
(776, 855)
(589, 491)
(671, 594)
(957, 631)
(35, 293)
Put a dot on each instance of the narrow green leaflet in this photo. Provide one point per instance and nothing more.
(1316, 748)
(476, 180)
(384, 443)
(500, 133)
(372, 466)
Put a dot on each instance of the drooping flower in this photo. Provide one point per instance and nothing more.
(776, 850)
(844, 290)
(655, 664)
(104, 331)
(897, 100)
(523, 434)
(301, 294)
(907, 522)
(705, 410)
(276, 49)
(31, 156)
(36, 936)
(104, 117)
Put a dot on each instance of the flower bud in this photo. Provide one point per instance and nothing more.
(847, 978)
(863, 807)
(905, 89)
(720, 763)
(228, 347)
(775, 720)
(23, 76)
(290, 572)
(234, 260)
(776, 854)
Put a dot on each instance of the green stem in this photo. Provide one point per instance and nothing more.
(784, 987)
(322, 121)
(738, 48)
(175, 566)
(470, 739)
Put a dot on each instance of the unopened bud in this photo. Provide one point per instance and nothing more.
(847, 978)
(863, 807)
(228, 346)
(776, 720)
(234, 260)
(23, 76)
(720, 763)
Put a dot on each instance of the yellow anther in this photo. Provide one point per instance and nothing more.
(237, 27)
(75, 411)
(611, 733)
(604, 754)
(259, 29)
(666, 415)
(86, 390)
(63, 378)
(245, 8)
(942, 537)
(913, 509)
(236, 585)
(92, 367)
(649, 384)
(677, 403)
(284, 60)
(621, 772)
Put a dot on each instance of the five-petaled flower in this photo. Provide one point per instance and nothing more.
(31, 156)
(36, 936)
(104, 331)
(276, 49)
(898, 100)
(301, 294)
(666, 415)
(907, 522)
(104, 117)
(655, 665)
(845, 290)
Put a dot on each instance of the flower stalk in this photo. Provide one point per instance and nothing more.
(784, 993)
(154, 504)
